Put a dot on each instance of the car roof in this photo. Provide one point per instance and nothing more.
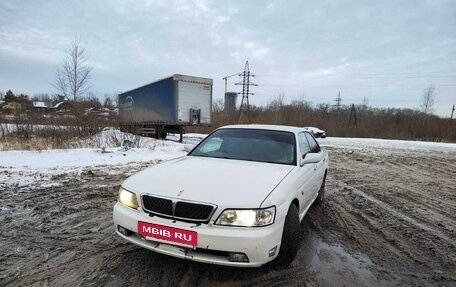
(265, 127)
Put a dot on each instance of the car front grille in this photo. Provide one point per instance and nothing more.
(158, 205)
(177, 209)
(192, 210)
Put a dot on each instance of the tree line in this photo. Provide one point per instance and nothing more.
(346, 121)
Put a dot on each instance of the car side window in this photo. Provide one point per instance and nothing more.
(314, 147)
(303, 144)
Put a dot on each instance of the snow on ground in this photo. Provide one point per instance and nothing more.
(109, 153)
(369, 143)
(77, 158)
(37, 168)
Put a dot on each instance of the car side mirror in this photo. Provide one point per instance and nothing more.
(310, 158)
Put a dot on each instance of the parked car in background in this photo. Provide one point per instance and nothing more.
(316, 132)
(236, 199)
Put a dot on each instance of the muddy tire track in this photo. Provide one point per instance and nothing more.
(408, 232)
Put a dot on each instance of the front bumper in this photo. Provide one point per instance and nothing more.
(255, 242)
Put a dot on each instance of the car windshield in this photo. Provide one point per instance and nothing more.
(249, 144)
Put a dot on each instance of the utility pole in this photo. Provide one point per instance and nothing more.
(338, 101)
(353, 114)
(245, 89)
(452, 112)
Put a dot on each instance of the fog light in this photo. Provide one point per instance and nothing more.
(123, 230)
(238, 257)
(272, 252)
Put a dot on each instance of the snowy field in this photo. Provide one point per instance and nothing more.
(150, 149)
(37, 168)
(368, 143)
(34, 169)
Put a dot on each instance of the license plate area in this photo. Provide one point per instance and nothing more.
(168, 234)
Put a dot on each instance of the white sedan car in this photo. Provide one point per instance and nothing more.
(236, 199)
(316, 132)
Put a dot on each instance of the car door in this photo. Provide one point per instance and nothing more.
(305, 174)
(318, 167)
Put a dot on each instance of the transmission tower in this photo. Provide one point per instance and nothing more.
(338, 101)
(245, 89)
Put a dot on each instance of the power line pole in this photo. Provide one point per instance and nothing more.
(452, 112)
(338, 101)
(245, 89)
(353, 114)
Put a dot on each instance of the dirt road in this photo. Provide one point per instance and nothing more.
(389, 218)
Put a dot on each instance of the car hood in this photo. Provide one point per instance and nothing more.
(224, 182)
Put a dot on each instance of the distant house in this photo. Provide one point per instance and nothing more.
(42, 106)
(99, 112)
(62, 109)
(62, 105)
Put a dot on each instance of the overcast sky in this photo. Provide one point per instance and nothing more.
(386, 51)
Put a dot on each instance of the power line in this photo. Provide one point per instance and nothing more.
(402, 74)
(392, 85)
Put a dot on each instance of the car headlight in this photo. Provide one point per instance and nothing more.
(247, 217)
(128, 198)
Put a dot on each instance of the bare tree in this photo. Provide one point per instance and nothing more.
(217, 106)
(72, 77)
(428, 100)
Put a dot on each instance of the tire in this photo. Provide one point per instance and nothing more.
(290, 237)
(321, 192)
(163, 134)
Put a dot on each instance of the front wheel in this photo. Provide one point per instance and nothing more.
(321, 192)
(290, 237)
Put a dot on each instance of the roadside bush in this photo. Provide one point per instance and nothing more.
(40, 131)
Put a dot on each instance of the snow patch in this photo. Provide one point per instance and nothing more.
(370, 143)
